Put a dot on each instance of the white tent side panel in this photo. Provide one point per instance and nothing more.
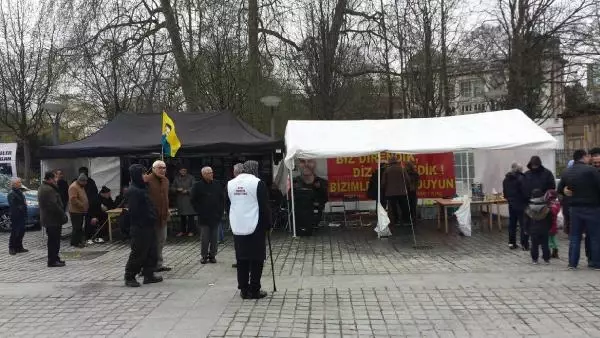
(507, 129)
(104, 170)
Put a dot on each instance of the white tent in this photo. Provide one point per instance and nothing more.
(509, 135)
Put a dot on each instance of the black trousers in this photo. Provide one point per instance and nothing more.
(412, 202)
(399, 208)
(17, 232)
(54, 234)
(144, 253)
(249, 273)
(77, 223)
(538, 240)
(210, 240)
(188, 223)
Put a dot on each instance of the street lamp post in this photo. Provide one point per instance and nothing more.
(271, 102)
(55, 110)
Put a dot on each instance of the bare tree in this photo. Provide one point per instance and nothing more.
(30, 67)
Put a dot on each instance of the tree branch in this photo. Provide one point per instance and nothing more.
(280, 37)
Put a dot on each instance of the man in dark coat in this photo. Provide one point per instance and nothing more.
(18, 213)
(584, 183)
(395, 183)
(63, 187)
(538, 177)
(512, 188)
(144, 252)
(52, 216)
(250, 218)
(208, 200)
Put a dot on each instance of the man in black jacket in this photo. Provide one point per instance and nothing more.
(512, 188)
(18, 213)
(143, 235)
(208, 200)
(584, 183)
(52, 216)
(537, 177)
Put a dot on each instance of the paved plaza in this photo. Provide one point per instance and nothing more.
(339, 282)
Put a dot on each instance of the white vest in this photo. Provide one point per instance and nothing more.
(243, 213)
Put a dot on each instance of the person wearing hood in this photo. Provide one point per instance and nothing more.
(538, 177)
(583, 181)
(144, 252)
(539, 217)
(512, 188)
(250, 218)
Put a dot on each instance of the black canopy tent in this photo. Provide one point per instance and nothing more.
(133, 138)
(135, 134)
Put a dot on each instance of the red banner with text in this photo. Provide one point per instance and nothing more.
(350, 175)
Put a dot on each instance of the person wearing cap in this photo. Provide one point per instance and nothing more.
(512, 189)
(584, 183)
(250, 218)
(52, 217)
(78, 209)
(98, 211)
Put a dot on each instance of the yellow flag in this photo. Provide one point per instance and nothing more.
(170, 142)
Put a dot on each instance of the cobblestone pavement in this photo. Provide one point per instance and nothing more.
(339, 282)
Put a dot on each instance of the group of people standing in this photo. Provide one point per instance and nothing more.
(535, 203)
(249, 214)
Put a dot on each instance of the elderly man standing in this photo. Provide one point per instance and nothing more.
(208, 201)
(158, 188)
(52, 217)
(18, 213)
(250, 217)
(182, 187)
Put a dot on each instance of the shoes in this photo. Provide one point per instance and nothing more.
(56, 264)
(554, 253)
(12, 252)
(513, 246)
(212, 260)
(89, 242)
(163, 268)
(22, 250)
(535, 262)
(258, 295)
(234, 266)
(179, 234)
(572, 267)
(99, 240)
(190, 234)
(204, 260)
(547, 262)
(132, 283)
(152, 279)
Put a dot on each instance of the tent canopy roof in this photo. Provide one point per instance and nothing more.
(133, 134)
(506, 129)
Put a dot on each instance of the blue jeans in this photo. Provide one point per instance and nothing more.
(516, 216)
(592, 239)
(584, 218)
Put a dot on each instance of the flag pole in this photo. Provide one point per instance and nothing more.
(162, 145)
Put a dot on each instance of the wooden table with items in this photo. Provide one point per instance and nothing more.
(445, 203)
(113, 213)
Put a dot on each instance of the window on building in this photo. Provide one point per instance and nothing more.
(477, 86)
(464, 170)
(465, 88)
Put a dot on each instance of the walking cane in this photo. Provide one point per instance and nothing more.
(271, 255)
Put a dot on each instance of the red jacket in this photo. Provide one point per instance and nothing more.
(555, 208)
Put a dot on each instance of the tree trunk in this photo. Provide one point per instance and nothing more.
(444, 66)
(186, 77)
(428, 51)
(254, 107)
(401, 54)
(388, 76)
(27, 158)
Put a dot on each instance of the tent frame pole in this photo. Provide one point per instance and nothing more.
(378, 199)
(293, 204)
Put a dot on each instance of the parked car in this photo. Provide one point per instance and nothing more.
(33, 211)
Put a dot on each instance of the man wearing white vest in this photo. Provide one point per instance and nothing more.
(250, 218)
